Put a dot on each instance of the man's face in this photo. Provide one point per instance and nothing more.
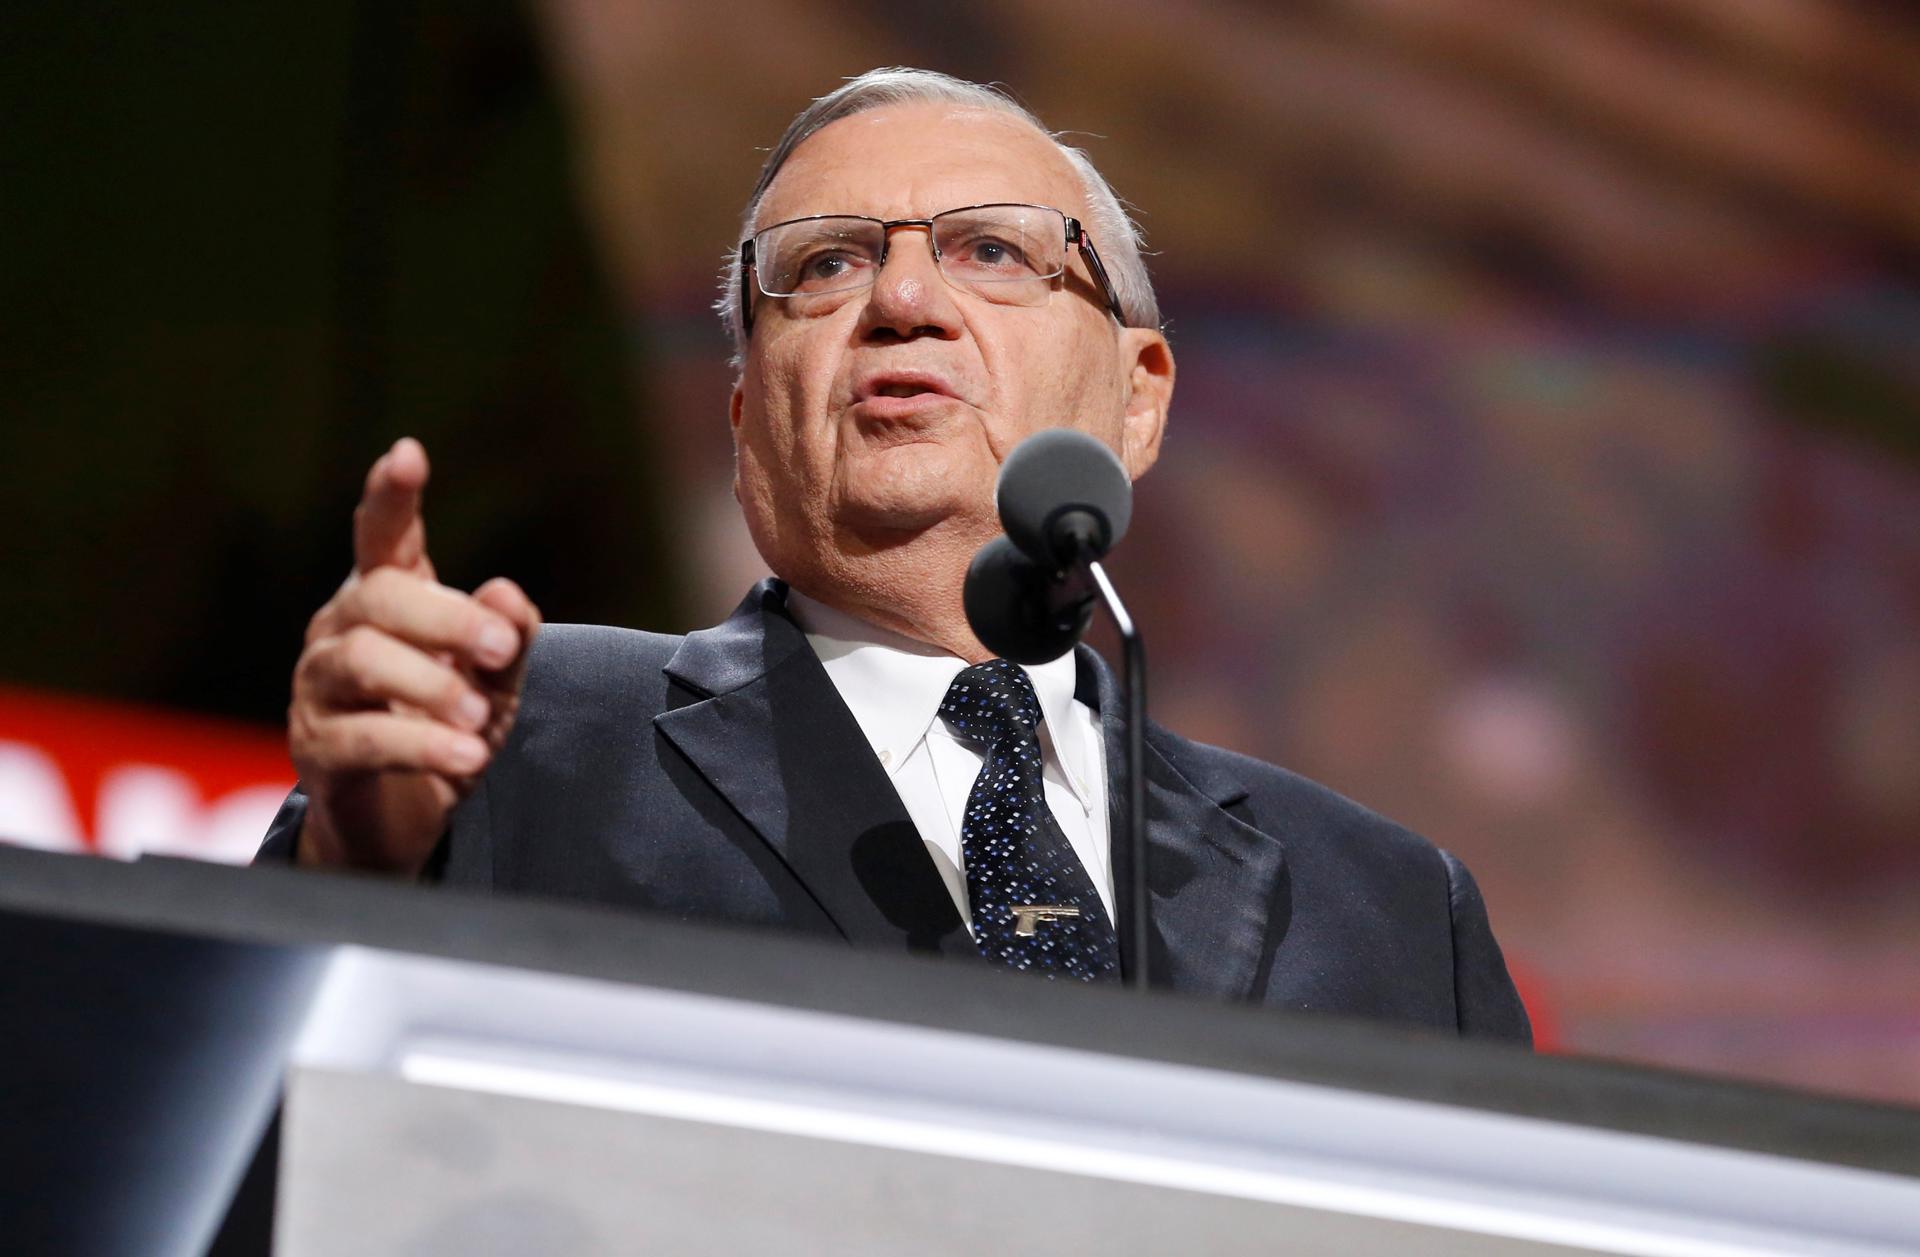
(884, 417)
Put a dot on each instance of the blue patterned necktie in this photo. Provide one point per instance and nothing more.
(1034, 907)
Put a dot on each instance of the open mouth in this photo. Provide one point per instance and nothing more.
(902, 386)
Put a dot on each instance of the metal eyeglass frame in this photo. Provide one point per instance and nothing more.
(1077, 236)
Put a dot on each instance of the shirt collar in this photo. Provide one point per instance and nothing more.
(894, 685)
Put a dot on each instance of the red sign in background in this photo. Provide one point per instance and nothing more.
(85, 775)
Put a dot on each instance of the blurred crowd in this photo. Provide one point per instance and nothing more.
(1543, 464)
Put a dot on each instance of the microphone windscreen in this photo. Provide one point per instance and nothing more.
(1014, 607)
(1047, 479)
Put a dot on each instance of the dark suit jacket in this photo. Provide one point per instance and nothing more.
(720, 776)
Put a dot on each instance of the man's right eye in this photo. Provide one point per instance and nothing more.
(826, 267)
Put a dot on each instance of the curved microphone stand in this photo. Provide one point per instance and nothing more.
(1134, 677)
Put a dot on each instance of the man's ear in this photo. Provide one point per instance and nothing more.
(1148, 361)
(735, 405)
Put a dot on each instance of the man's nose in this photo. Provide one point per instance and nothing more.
(909, 296)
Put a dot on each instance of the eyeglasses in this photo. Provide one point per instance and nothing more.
(1008, 254)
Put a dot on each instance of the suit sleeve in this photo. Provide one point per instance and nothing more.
(284, 832)
(1484, 998)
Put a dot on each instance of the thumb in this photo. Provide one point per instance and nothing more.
(507, 598)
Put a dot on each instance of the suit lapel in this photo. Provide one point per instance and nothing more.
(1215, 883)
(774, 738)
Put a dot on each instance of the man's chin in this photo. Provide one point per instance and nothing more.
(910, 489)
(892, 518)
(885, 519)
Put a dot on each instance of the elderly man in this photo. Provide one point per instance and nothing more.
(927, 277)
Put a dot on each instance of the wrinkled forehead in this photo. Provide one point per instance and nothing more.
(912, 161)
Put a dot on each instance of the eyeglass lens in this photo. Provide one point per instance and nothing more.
(1013, 249)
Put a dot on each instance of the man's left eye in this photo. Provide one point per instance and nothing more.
(994, 253)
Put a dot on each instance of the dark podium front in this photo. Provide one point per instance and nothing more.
(474, 1076)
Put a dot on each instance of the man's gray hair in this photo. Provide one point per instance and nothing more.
(1115, 233)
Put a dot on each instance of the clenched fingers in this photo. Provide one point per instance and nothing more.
(365, 667)
(426, 615)
(367, 741)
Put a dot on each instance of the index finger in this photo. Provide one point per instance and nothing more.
(388, 530)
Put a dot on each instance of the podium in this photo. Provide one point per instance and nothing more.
(462, 1075)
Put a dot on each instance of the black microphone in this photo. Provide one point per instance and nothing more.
(1064, 498)
(1022, 611)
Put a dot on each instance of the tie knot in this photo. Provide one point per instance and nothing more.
(990, 701)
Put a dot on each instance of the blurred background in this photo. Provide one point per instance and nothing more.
(1545, 469)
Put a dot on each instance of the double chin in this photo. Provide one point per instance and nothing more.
(910, 484)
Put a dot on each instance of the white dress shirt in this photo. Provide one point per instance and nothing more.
(894, 687)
